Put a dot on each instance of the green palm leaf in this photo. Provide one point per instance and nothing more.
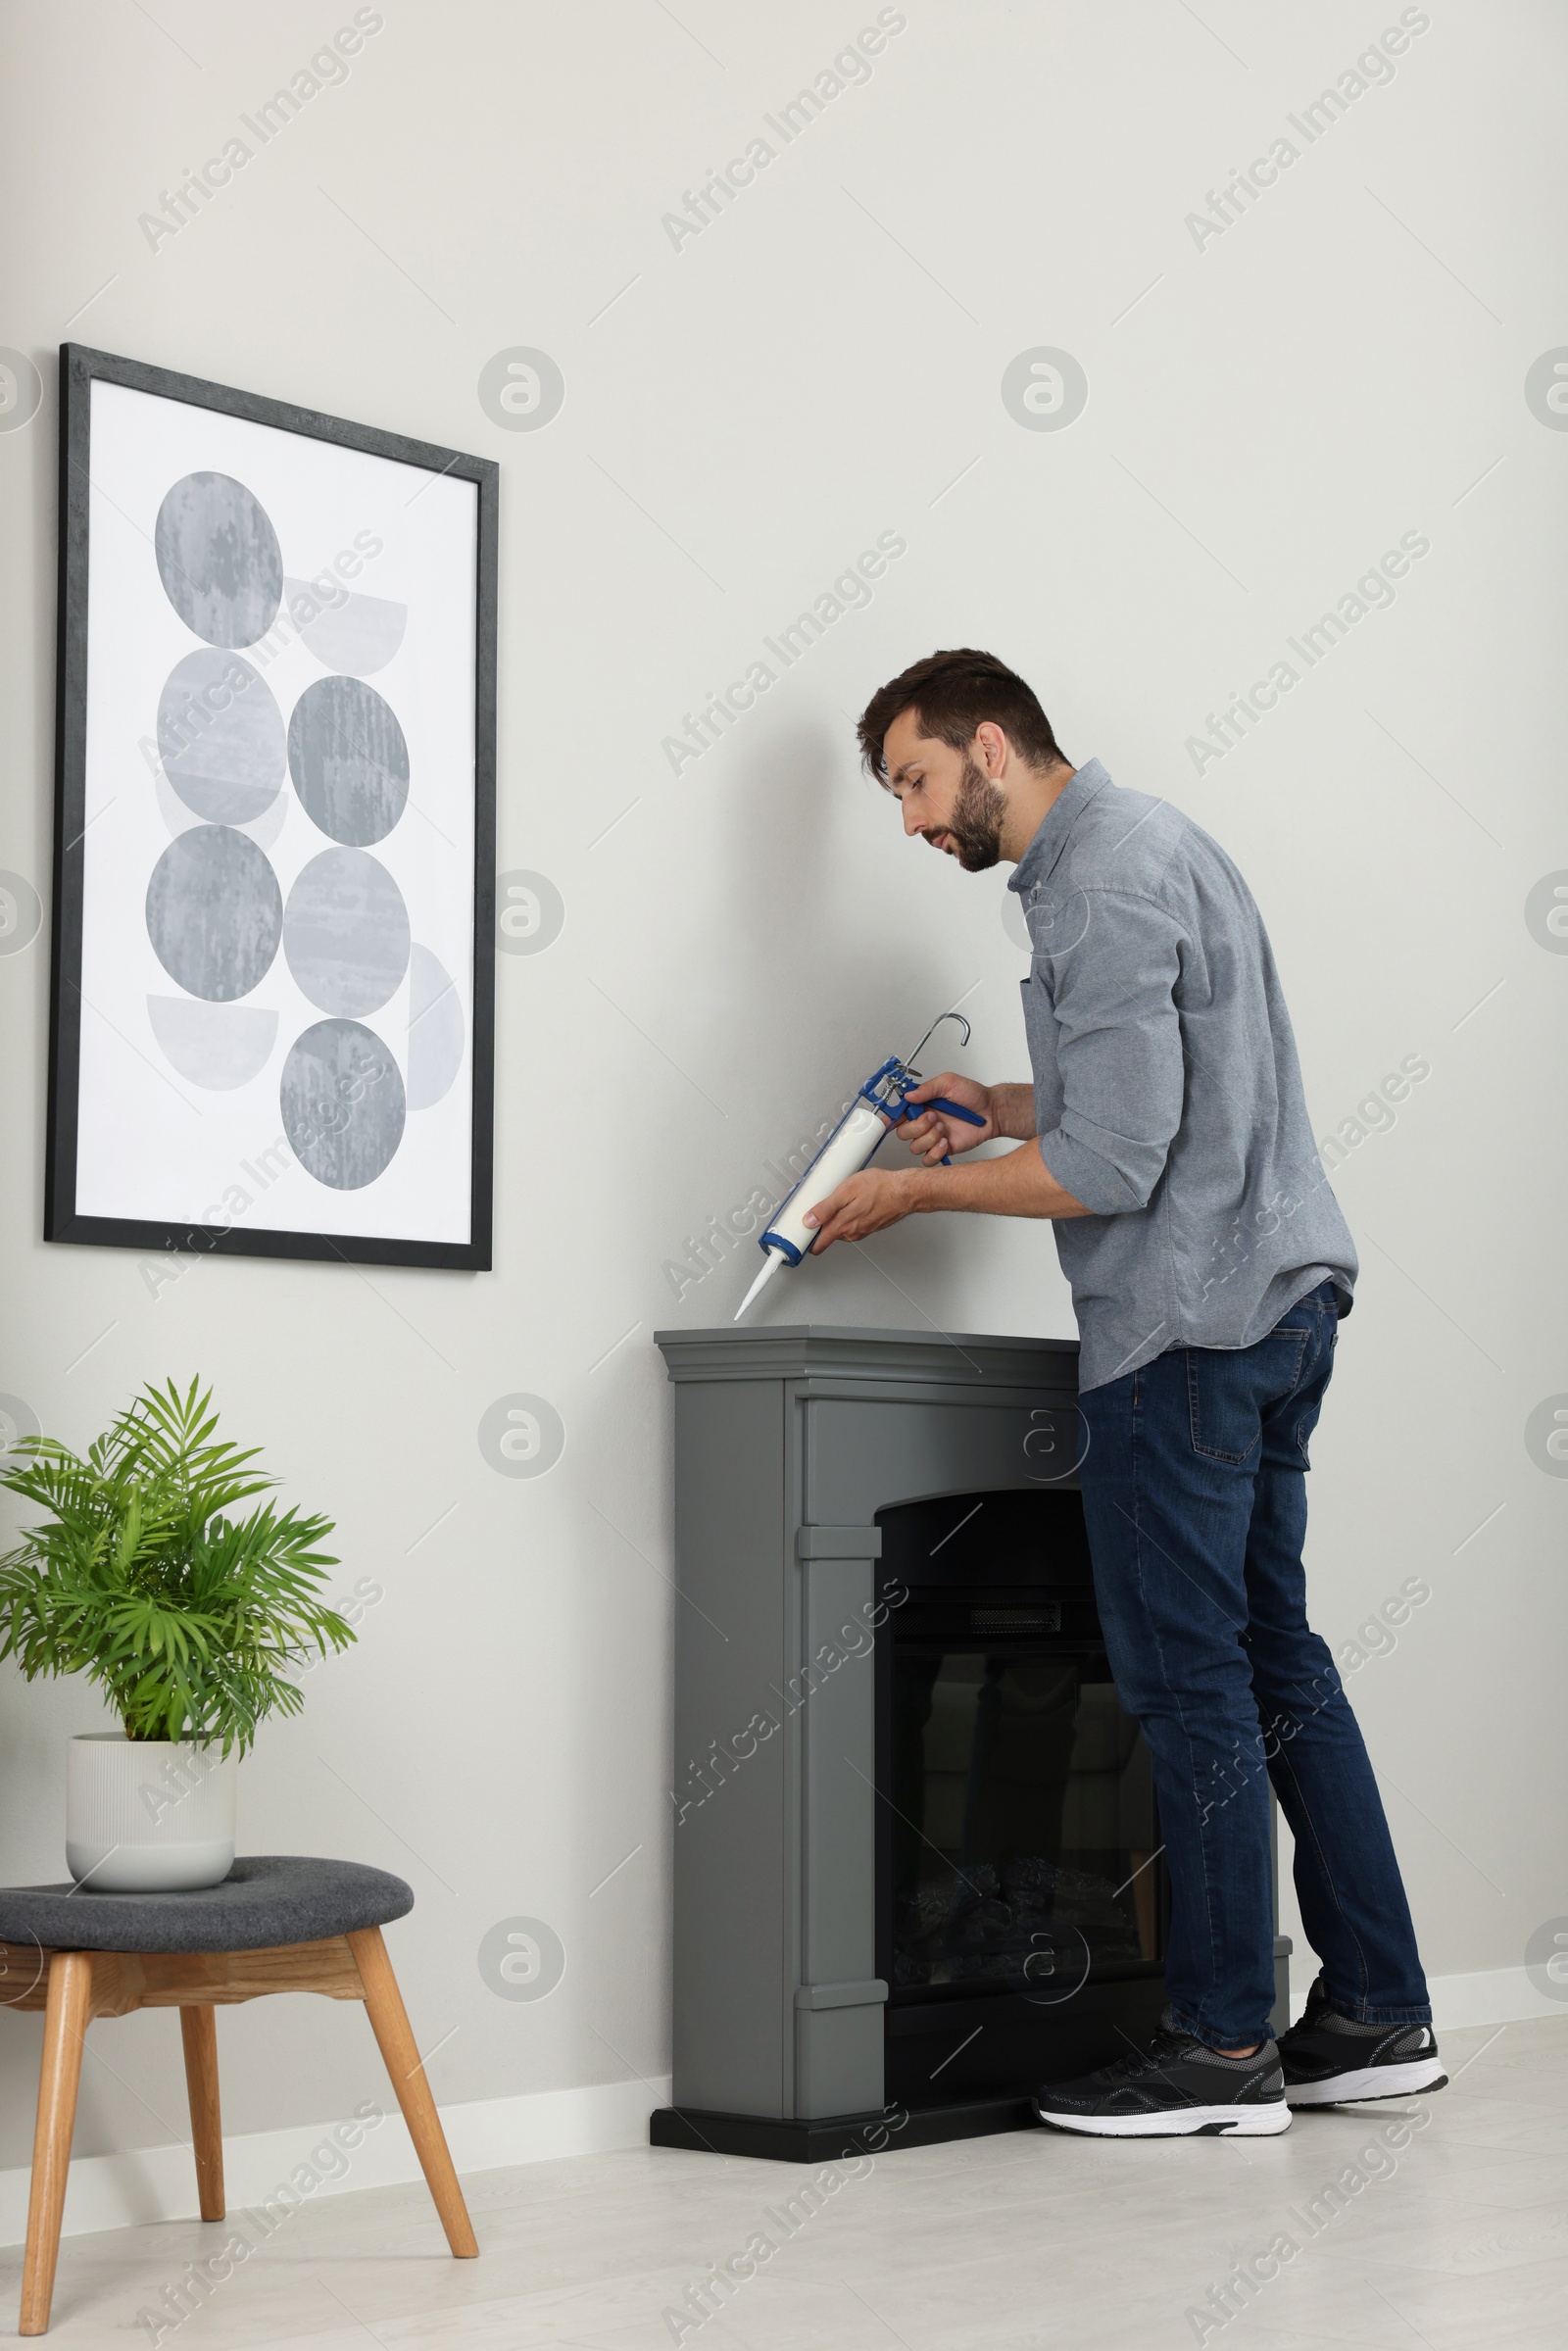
(140, 1577)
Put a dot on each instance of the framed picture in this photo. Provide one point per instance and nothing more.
(272, 1025)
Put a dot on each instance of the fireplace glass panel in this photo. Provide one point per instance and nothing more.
(1024, 1848)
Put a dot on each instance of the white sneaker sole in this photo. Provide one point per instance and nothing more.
(1371, 2081)
(1186, 2122)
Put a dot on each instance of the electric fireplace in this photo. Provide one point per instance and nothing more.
(917, 1861)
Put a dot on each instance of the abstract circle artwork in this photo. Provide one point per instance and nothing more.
(216, 1047)
(349, 761)
(275, 805)
(220, 737)
(214, 913)
(342, 1104)
(436, 1032)
(219, 559)
(346, 932)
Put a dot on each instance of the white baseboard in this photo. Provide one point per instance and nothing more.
(1498, 1996)
(159, 2183)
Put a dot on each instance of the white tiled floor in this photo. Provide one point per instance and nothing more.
(996, 2244)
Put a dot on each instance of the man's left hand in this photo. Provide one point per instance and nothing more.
(876, 1197)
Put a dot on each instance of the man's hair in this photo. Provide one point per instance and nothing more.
(951, 695)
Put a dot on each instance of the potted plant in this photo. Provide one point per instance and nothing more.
(188, 1618)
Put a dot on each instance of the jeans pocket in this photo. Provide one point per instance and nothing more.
(1229, 1391)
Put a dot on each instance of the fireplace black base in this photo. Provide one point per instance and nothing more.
(839, 2138)
(921, 2121)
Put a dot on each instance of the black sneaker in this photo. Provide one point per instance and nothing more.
(1176, 2089)
(1330, 2060)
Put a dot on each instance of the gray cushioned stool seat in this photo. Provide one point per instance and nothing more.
(266, 1898)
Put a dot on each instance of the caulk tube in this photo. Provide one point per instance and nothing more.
(845, 1153)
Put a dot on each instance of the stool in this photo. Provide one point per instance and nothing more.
(278, 1922)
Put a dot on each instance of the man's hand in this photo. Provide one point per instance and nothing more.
(933, 1136)
(862, 1204)
(1016, 1184)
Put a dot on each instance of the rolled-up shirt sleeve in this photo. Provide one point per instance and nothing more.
(1119, 1054)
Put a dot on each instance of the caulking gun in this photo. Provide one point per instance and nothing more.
(878, 1105)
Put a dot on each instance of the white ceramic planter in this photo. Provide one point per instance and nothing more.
(148, 1816)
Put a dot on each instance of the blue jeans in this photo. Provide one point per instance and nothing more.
(1194, 1494)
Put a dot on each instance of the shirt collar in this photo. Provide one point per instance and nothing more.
(1038, 859)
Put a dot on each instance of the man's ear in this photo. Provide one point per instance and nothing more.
(991, 747)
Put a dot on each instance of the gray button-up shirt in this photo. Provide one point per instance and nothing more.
(1167, 1093)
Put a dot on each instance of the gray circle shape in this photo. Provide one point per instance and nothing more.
(1546, 1958)
(17, 1419)
(1546, 913)
(20, 913)
(220, 737)
(1546, 389)
(522, 1435)
(219, 559)
(342, 1104)
(529, 912)
(20, 389)
(1546, 1436)
(214, 913)
(521, 388)
(346, 932)
(522, 1959)
(1044, 389)
(349, 761)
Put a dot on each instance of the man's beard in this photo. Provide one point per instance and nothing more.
(975, 825)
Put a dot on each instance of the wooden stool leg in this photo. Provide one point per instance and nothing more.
(390, 2023)
(198, 2030)
(65, 2015)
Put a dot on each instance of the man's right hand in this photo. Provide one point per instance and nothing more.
(933, 1136)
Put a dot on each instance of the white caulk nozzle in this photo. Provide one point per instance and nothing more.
(771, 1263)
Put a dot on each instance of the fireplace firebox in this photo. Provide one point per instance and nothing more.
(917, 1861)
(1020, 1885)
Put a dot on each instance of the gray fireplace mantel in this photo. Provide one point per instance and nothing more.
(788, 1441)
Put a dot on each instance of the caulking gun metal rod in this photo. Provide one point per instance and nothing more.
(909, 1060)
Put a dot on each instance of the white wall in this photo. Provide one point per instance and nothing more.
(1266, 414)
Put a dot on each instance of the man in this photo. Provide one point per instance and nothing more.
(1166, 1135)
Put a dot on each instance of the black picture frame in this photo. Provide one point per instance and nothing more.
(80, 367)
